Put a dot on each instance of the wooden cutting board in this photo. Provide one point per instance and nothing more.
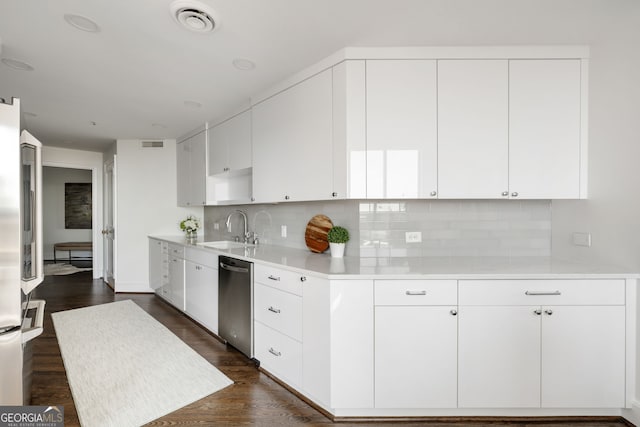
(315, 235)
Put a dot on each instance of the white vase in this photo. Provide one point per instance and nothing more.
(337, 249)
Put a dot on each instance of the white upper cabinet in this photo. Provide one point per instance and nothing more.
(473, 145)
(191, 170)
(292, 142)
(544, 128)
(349, 131)
(402, 144)
(230, 144)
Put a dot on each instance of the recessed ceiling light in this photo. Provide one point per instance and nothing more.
(82, 23)
(158, 125)
(17, 65)
(243, 64)
(192, 104)
(92, 123)
(194, 16)
(29, 114)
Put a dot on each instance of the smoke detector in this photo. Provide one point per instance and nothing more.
(194, 16)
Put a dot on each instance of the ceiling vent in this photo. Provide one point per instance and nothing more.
(194, 16)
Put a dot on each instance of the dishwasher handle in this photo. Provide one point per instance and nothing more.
(232, 268)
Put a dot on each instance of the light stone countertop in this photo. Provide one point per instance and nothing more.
(323, 265)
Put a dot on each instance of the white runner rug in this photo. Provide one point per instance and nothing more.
(126, 369)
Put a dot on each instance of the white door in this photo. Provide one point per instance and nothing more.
(415, 357)
(583, 360)
(499, 357)
(108, 232)
(544, 128)
(402, 150)
(473, 150)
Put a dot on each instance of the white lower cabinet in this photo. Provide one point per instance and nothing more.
(499, 357)
(175, 287)
(570, 354)
(201, 288)
(415, 357)
(583, 360)
(278, 354)
(416, 343)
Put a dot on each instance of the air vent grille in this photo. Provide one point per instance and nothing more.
(152, 144)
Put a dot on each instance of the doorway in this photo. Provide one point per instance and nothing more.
(67, 217)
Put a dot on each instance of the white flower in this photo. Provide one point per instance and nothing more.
(190, 224)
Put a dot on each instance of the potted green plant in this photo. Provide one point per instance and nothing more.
(337, 237)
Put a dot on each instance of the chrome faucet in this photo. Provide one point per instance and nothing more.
(246, 233)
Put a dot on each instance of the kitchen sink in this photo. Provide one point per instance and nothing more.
(225, 244)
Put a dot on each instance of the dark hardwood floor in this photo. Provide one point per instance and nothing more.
(254, 399)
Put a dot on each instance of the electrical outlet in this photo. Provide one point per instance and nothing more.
(283, 231)
(216, 226)
(413, 236)
(582, 239)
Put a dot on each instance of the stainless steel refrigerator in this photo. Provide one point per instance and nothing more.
(21, 266)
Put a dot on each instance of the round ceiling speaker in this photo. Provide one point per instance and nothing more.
(194, 16)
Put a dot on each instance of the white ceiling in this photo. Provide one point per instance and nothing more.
(141, 67)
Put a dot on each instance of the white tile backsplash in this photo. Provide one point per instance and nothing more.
(377, 228)
(456, 228)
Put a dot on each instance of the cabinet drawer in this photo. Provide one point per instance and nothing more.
(202, 257)
(542, 292)
(285, 280)
(416, 292)
(278, 354)
(280, 310)
(176, 250)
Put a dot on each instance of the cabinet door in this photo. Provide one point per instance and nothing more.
(230, 144)
(473, 129)
(198, 170)
(583, 360)
(176, 282)
(415, 357)
(292, 134)
(544, 128)
(402, 150)
(201, 294)
(499, 357)
(183, 173)
(155, 264)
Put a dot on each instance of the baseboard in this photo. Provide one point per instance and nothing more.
(632, 415)
(133, 287)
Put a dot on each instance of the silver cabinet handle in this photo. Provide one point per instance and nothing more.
(537, 312)
(198, 267)
(548, 312)
(276, 278)
(273, 310)
(505, 193)
(253, 199)
(334, 194)
(275, 353)
(538, 293)
(303, 279)
(416, 292)
(454, 312)
(433, 193)
(514, 194)
(286, 197)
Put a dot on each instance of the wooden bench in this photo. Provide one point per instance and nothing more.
(73, 247)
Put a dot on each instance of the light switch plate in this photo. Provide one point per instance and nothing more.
(283, 231)
(413, 236)
(216, 226)
(582, 239)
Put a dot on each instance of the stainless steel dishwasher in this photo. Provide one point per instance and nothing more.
(235, 303)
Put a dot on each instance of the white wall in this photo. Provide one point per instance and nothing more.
(53, 214)
(146, 201)
(79, 159)
(612, 212)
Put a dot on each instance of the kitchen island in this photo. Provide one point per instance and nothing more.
(421, 337)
